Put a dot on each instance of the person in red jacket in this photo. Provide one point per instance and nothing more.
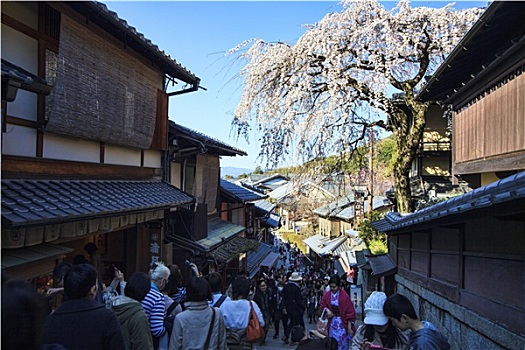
(340, 313)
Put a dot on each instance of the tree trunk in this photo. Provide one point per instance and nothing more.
(408, 137)
(402, 188)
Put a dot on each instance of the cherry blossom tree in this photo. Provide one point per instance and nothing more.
(323, 94)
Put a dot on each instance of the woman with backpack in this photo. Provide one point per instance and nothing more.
(236, 314)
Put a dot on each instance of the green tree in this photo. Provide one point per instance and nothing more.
(375, 240)
(258, 170)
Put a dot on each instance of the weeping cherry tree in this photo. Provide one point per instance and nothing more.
(323, 94)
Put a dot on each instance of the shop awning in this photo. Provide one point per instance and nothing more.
(29, 262)
(254, 259)
(219, 231)
(339, 267)
(270, 259)
(233, 248)
(39, 202)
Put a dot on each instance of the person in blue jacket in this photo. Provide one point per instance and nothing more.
(424, 335)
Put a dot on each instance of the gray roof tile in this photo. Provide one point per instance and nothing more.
(238, 192)
(502, 191)
(32, 202)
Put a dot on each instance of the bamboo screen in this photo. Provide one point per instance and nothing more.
(102, 93)
(492, 126)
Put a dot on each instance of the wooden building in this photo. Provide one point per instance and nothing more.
(481, 87)
(84, 139)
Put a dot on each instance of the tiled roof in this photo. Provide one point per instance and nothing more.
(25, 79)
(322, 245)
(219, 231)
(206, 141)
(264, 206)
(281, 192)
(113, 24)
(239, 193)
(506, 190)
(377, 203)
(335, 207)
(35, 202)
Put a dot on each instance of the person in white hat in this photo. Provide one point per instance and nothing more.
(377, 328)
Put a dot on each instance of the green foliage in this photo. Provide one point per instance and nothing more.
(228, 177)
(243, 176)
(386, 154)
(258, 170)
(370, 235)
(377, 247)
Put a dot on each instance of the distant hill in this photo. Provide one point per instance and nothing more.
(233, 171)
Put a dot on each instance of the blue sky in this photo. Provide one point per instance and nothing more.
(198, 33)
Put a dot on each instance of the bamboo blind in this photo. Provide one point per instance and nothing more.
(494, 125)
(102, 92)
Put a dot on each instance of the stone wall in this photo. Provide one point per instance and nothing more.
(463, 328)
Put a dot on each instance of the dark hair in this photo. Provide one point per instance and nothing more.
(175, 280)
(329, 343)
(60, 270)
(198, 290)
(392, 340)
(297, 333)
(80, 259)
(23, 315)
(215, 280)
(335, 279)
(240, 288)
(138, 286)
(91, 248)
(396, 305)
(79, 280)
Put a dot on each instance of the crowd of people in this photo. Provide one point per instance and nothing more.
(156, 311)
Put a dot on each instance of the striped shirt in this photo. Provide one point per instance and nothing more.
(154, 306)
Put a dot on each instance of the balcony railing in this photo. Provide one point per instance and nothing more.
(436, 146)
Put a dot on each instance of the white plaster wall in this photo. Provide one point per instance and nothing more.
(12, 143)
(175, 177)
(66, 148)
(122, 156)
(152, 158)
(22, 51)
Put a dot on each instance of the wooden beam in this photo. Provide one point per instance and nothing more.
(505, 162)
(28, 167)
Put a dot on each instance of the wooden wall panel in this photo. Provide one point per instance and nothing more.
(496, 279)
(494, 125)
(444, 267)
(420, 262)
(420, 240)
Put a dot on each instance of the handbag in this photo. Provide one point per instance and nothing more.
(254, 331)
(322, 323)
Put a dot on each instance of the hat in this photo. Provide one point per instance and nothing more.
(295, 277)
(374, 309)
